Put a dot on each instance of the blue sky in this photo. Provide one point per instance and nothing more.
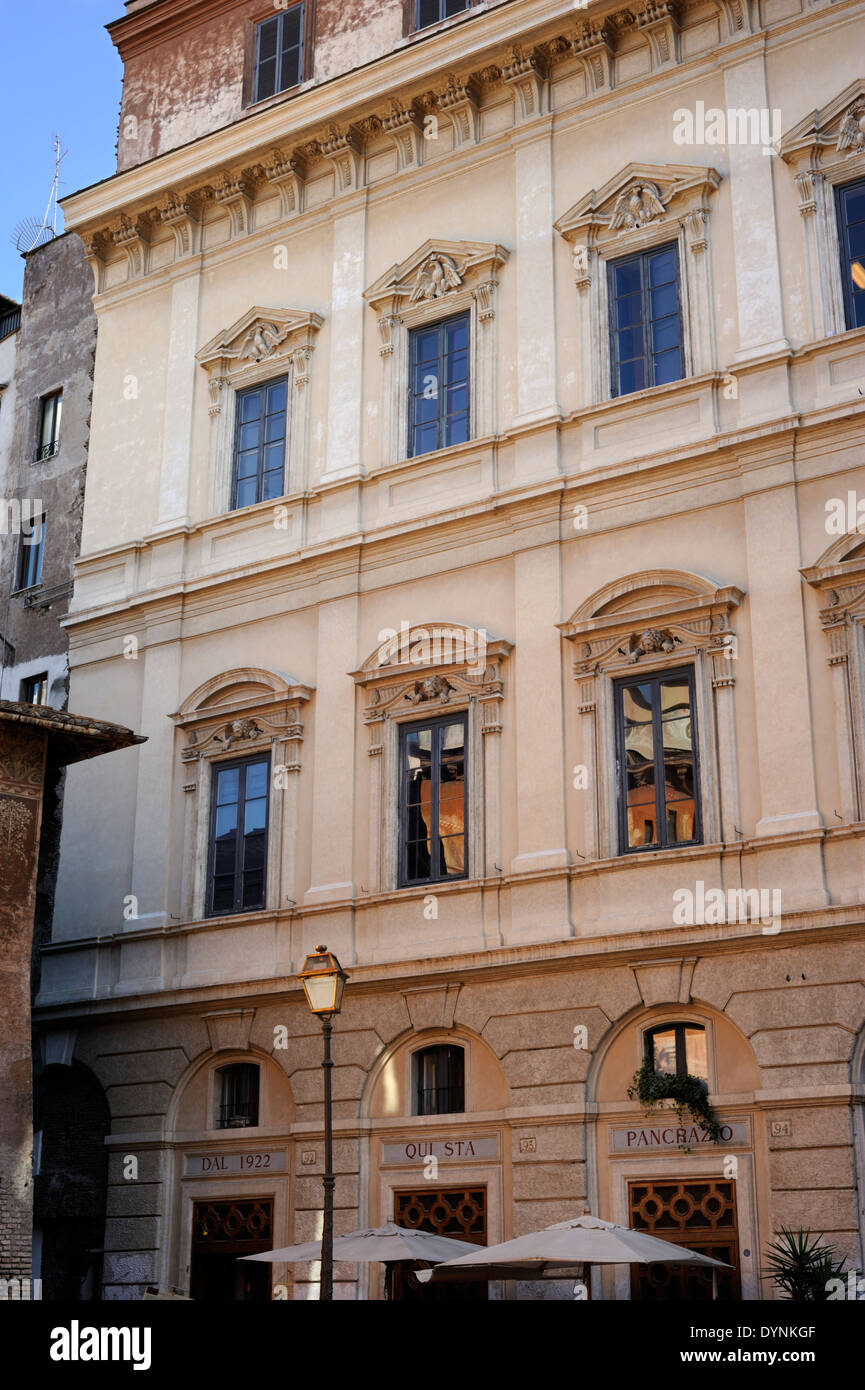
(62, 75)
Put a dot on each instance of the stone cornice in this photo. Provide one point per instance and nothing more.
(817, 926)
(336, 120)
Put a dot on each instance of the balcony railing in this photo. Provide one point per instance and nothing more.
(238, 1115)
(47, 451)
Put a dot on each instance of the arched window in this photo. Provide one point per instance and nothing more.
(438, 1080)
(678, 1049)
(237, 1096)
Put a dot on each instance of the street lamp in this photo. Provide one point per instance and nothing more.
(323, 983)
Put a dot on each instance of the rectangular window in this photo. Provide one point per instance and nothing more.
(657, 762)
(851, 227)
(433, 846)
(50, 410)
(30, 555)
(237, 876)
(259, 444)
(34, 689)
(439, 386)
(427, 12)
(439, 1080)
(645, 320)
(238, 1096)
(279, 53)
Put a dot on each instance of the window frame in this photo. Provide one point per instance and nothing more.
(24, 552)
(843, 229)
(404, 730)
(642, 257)
(26, 688)
(240, 394)
(307, 48)
(412, 16)
(655, 678)
(417, 1090)
(236, 908)
(255, 1094)
(52, 399)
(678, 1027)
(438, 326)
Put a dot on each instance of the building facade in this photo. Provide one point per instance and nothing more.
(473, 529)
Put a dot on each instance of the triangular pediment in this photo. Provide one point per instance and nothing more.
(838, 127)
(638, 195)
(260, 334)
(436, 269)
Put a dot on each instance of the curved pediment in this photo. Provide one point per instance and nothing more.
(654, 612)
(436, 270)
(245, 708)
(223, 693)
(636, 593)
(428, 646)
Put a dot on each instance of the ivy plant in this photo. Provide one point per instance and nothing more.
(688, 1094)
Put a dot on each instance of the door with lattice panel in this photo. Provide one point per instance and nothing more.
(221, 1232)
(700, 1214)
(457, 1212)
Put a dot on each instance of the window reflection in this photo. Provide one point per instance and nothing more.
(433, 823)
(658, 763)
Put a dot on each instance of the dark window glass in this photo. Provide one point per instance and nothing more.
(279, 53)
(30, 553)
(259, 444)
(238, 1096)
(645, 320)
(34, 690)
(433, 801)
(238, 837)
(439, 1080)
(439, 386)
(428, 12)
(851, 226)
(657, 760)
(678, 1049)
(50, 410)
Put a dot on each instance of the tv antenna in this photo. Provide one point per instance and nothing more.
(35, 231)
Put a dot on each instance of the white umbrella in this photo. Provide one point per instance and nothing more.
(376, 1246)
(545, 1254)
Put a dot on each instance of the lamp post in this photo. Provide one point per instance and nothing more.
(323, 983)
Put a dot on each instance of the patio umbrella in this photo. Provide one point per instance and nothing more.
(379, 1245)
(546, 1254)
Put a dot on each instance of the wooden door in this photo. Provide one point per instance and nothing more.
(222, 1231)
(700, 1214)
(457, 1212)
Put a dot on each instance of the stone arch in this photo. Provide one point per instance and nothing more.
(191, 1104)
(729, 1073)
(70, 1187)
(387, 1092)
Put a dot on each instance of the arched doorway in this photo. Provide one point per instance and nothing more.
(71, 1121)
(668, 1177)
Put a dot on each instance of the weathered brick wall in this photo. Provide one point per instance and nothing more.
(22, 760)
